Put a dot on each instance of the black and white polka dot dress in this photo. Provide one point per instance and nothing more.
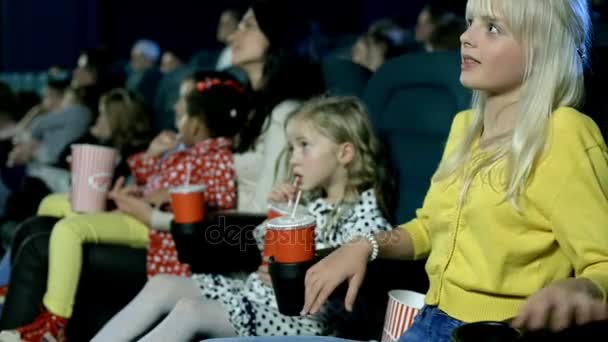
(251, 304)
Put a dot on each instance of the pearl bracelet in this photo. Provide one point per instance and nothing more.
(375, 246)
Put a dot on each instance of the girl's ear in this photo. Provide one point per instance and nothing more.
(346, 153)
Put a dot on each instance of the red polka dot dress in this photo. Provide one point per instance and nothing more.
(211, 164)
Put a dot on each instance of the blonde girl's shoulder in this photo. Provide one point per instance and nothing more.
(573, 129)
(462, 120)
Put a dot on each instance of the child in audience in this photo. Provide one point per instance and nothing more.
(334, 151)
(433, 14)
(385, 39)
(215, 109)
(122, 123)
(514, 222)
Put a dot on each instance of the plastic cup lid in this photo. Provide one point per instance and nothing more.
(287, 222)
(186, 189)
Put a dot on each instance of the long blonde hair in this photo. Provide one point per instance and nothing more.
(345, 119)
(556, 37)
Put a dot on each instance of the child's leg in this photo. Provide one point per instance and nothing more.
(65, 252)
(56, 205)
(431, 325)
(191, 317)
(156, 299)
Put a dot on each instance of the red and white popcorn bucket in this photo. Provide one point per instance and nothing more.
(403, 306)
(92, 169)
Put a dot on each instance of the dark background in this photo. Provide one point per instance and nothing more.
(36, 34)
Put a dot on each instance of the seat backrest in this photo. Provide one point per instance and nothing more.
(343, 77)
(596, 77)
(412, 100)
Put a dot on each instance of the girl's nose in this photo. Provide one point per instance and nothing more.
(466, 38)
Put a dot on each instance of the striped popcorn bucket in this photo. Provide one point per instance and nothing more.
(92, 169)
(402, 307)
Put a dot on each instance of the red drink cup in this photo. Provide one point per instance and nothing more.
(188, 203)
(292, 239)
(276, 209)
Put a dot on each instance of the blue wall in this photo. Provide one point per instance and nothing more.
(39, 33)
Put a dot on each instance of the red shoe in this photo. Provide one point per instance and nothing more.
(45, 328)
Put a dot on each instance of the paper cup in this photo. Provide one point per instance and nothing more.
(91, 173)
(403, 306)
(291, 239)
(276, 210)
(188, 203)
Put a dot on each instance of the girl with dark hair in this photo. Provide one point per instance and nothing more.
(214, 110)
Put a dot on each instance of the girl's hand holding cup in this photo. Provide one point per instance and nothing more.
(561, 305)
(347, 263)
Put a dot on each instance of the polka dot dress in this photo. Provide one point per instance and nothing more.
(211, 163)
(251, 304)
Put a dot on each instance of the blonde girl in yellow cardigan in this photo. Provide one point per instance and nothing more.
(515, 223)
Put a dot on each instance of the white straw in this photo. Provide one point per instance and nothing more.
(295, 205)
(188, 170)
(296, 183)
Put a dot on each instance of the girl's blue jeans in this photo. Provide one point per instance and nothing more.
(431, 325)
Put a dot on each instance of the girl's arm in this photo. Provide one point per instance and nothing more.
(143, 166)
(578, 216)
(349, 263)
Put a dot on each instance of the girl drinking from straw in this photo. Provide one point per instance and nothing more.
(213, 107)
(337, 157)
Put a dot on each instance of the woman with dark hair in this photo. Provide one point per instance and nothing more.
(270, 46)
